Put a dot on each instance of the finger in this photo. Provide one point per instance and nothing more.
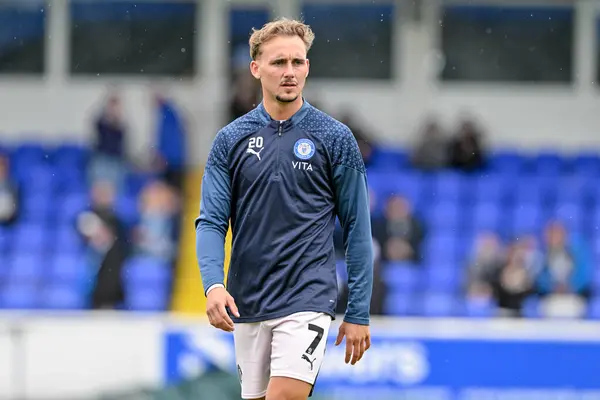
(348, 350)
(340, 336)
(225, 327)
(232, 306)
(355, 351)
(368, 343)
(225, 317)
(361, 347)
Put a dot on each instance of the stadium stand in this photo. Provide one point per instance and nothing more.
(43, 256)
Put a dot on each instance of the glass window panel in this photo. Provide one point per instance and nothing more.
(22, 31)
(241, 22)
(507, 44)
(133, 38)
(352, 40)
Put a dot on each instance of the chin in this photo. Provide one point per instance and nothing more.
(287, 98)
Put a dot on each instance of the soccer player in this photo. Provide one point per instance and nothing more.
(281, 174)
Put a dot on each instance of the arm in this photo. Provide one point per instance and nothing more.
(352, 203)
(213, 222)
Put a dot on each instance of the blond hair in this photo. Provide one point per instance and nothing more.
(280, 27)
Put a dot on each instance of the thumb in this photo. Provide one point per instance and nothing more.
(231, 304)
(340, 336)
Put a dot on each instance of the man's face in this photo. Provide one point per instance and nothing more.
(282, 68)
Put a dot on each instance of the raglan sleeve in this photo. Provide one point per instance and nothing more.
(353, 211)
(213, 221)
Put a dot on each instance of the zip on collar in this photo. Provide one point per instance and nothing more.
(294, 119)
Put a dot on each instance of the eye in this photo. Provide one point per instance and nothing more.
(299, 62)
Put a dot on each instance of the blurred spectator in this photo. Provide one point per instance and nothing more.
(565, 278)
(170, 143)
(513, 283)
(9, 194)
(431, 150)
(466, 150)
(363, 139)
(156, 233)
(487, 259)
(246, 95)
(106, 246)
(108, 160)
(399, 232)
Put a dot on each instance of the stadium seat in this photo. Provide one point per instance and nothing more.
(549, 163)
(490, 187)
(506, 161)
(146, 299)
(443, 278)
(62, 297)
(69, 268)
(480, 308)
(444, 215)
(449, 186)
(30, 238)
(439, 305)
(488, 217)
(16, 295)
(593, 310)
(383, 159)
(26, 267)
(399, 304)
(146, 271)
(531, 307)
(402, 276)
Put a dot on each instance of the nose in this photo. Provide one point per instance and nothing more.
(289, 70)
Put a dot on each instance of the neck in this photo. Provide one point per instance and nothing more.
(281, 111)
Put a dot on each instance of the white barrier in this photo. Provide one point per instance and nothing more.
(68, 355)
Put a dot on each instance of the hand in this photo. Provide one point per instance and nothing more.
(358, 340)
(216, 302)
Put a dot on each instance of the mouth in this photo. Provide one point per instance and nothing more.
(289, 85)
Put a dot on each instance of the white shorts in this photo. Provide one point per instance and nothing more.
(291, 347)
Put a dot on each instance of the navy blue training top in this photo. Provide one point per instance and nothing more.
(282, 184)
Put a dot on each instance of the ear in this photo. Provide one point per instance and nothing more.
(254, 69)
(307, 67)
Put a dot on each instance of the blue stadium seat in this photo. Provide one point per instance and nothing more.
(67, 239)
(549, 163)
(441, 249)
(593, 310)
(63, 297)
(70, 156)
(37, 206)
(531, 307)
(506, 161)
(71, 205)
(146, 271)
(402, 276)
(399, 304)
(19, 296)
(490, 187)
(146, 299)
(571, 215)
(30, 238)
(383, 159)
(480, 308)
(449, 186)
(488, 217)
(444, 215)
(439, 305)
(526, 218)
(26, 267)
(443, 278)
(40, 178)
(69, 268)
(586, 164)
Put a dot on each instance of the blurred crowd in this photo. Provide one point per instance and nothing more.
(112, 234)
(555, 268)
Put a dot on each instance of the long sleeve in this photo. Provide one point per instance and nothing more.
(213, 222)
(352, 204)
